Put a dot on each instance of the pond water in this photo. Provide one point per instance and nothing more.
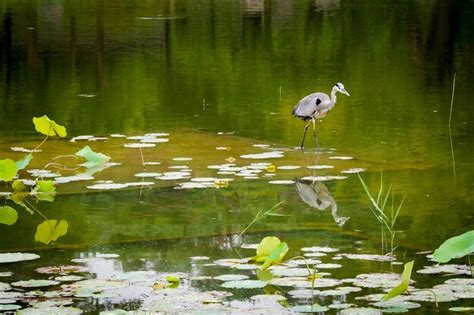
(214, 83)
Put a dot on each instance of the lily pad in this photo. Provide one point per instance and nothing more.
(320, 249)
(9, 307)
(319, 167)
(353, 170)
(315, 308)
(182, 159)
(56, 310)
(340, 306)
(154, 140)
(282, 182)
(361, 311)
(15, 257)
(69, 278)
(35, 283)
(315, 254)
(283, 271)
(244, 284)
(377, 280)
(369, 257)
(328, 266)
(288, 167)
(61, 270)
(462, 309)
(139, 145)
(147, 174)
(231, 277)
(4, 286)
(265, 155)
(6, 274)
(341, 158)
(450, 268)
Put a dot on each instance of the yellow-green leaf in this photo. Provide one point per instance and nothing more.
(276, 255)
(49, 127)
(50, 230)
(267, 245)
(403, 286)
(45, 186)
(8, 215)
(7, 170)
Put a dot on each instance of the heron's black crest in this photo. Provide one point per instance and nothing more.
(338, 85)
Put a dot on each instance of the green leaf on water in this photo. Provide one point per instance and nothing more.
(461, 309)
(50, 230)
(21, 164)
(276, 256)
(455, 247)
(49, 127)
(18, 185)
(92, 158)
(403, 286)
(8, 215)
(45, 186)
(7, 170)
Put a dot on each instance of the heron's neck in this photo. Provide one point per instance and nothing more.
(333, 96)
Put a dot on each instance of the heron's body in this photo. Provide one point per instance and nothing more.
(316, 106)
(317, 195)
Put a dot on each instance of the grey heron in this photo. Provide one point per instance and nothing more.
(316, 106)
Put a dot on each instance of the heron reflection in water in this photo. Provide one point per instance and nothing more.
(317, 195)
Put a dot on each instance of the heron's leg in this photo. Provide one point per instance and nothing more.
(314, 134)
(304, 135)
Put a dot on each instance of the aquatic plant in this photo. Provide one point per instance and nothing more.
(403, 286)
(456, 247)
(270, 251)
(386, 217)
(39, 188)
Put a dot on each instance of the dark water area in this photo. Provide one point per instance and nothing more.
(227, 74)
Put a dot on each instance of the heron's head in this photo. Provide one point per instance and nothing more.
(340, 88)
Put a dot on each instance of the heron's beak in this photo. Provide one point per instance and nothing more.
(345, 92)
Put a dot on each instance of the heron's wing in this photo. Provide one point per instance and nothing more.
(309, 105)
